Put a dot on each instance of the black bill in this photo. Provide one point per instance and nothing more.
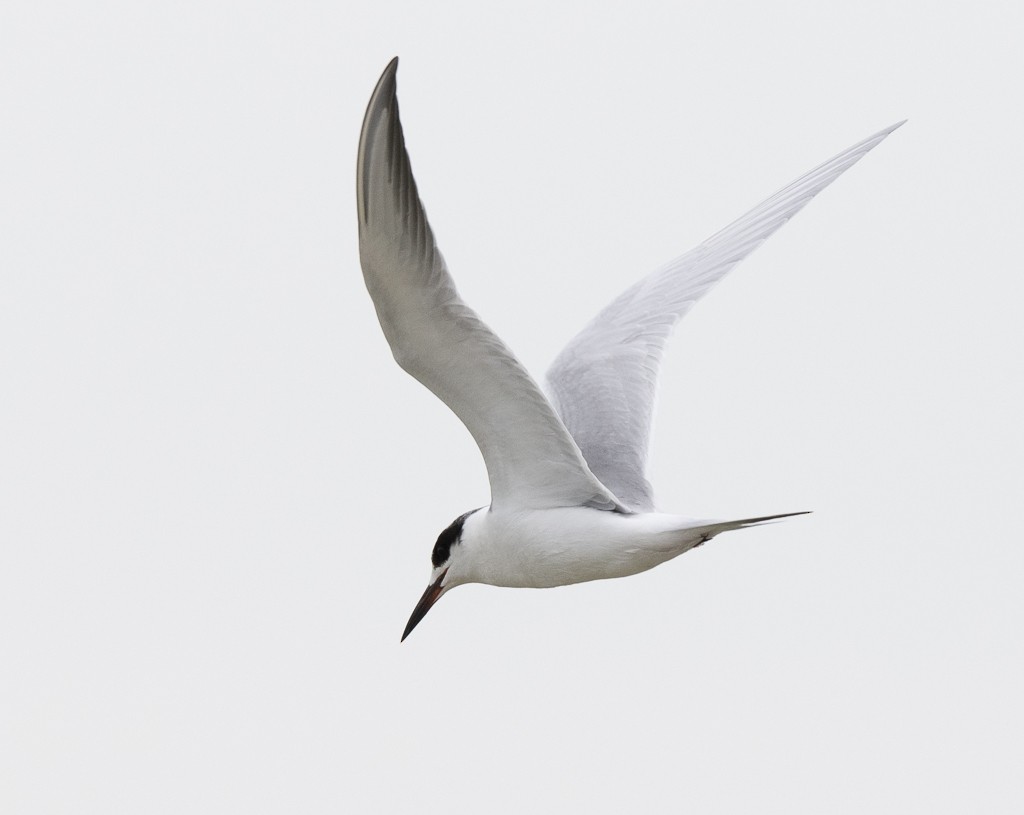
(430, 596)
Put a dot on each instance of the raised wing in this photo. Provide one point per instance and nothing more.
(531, 459)
(603, 382)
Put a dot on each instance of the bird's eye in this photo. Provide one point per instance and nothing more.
(448, 538)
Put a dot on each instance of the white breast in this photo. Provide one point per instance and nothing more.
(557, 547)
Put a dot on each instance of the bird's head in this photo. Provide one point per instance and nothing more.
(451, 568)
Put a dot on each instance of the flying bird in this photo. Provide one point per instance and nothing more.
(570, 500)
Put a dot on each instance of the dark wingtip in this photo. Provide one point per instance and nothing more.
(387, 77)
(384, 96)
(387, 81)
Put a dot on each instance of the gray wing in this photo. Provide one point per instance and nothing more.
(603, 382)
(531, 459)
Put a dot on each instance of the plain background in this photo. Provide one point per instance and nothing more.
(219, 493)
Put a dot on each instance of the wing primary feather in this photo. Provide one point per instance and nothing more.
(531, 459)
(603, 382)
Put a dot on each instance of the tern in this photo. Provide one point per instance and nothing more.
(570, 500)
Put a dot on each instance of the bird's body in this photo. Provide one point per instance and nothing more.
(524, 548)
(543, 548)
(570, 501)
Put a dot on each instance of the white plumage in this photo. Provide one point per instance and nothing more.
(570, 501)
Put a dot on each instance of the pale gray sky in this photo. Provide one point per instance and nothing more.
(218, 494)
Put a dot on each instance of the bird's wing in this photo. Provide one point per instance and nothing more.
(531, 459)
(603, 382)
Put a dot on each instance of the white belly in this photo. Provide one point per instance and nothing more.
(556, 547)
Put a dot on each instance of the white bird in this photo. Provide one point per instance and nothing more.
(569, 498)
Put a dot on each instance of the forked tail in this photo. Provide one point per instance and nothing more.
(710, 530)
